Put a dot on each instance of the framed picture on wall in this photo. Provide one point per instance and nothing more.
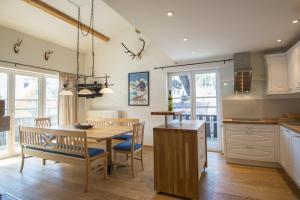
(138, 89)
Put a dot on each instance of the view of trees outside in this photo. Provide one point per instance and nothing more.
(52, 99)
(26, 101)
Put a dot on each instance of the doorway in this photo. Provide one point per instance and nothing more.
(196, 93)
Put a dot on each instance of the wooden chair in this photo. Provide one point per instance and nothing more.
(135, 146)
(63, 146)
(43, 122)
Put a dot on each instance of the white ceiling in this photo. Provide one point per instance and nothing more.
(214, 27)
(23, 17)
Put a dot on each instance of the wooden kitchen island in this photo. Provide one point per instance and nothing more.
(180, 155)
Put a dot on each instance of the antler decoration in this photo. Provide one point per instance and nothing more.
(47, 54)
(134, 55)
(17, 45)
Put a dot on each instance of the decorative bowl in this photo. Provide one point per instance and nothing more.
(83, 126)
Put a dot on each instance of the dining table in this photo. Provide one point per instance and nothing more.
(99, 134)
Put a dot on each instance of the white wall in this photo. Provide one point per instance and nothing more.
(32, 52)
(110, 59)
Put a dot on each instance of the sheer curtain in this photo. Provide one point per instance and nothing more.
(67, 104)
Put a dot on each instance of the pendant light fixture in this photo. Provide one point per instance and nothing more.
(65, 91)
(87, 90)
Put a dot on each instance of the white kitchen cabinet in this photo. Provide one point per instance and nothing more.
(293, 62)
(295, 157)
(289, 153)
(251, 142)
(286, 150)
(277, 74)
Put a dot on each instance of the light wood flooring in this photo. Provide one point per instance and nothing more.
(61, 181)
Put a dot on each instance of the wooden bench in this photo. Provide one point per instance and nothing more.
(62, 146)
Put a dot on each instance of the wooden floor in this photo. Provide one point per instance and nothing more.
(61, 181)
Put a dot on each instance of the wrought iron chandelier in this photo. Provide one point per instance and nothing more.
(94, 88)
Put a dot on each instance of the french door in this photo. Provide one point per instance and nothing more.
(27, 96)
(196, 93)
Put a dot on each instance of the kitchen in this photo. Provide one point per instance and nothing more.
(227, 73)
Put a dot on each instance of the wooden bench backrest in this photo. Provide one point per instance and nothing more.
(113, 121)
(70, 142)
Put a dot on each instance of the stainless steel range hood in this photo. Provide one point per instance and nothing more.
(242, 73)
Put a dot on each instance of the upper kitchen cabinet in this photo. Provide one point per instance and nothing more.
(277, 74)
(293, 62)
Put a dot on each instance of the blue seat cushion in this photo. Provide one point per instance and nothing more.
(92, 152)
(123, 137)
(126, 146)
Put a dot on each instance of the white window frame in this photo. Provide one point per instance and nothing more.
(11, 75)
(193, 97)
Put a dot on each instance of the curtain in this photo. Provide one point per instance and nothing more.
(67, 109)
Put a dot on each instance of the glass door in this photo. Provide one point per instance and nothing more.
(4, 140)
(26, 104)
(181, 92)
(197, 94)
(207, 109)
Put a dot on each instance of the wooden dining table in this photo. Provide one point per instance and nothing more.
(100, 134)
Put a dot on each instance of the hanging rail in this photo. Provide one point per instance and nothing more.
(43, 68)
(198, 63)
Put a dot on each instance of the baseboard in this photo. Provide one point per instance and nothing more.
(253, 163)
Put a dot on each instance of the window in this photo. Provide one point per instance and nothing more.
(27, 95)
(51, 102)
(3, 96)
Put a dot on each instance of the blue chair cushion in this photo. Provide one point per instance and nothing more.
(92, 152)
(123, 137)
(126, 146)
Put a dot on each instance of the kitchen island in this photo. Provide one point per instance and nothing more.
(180, 155)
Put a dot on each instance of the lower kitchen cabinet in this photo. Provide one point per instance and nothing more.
(250, 142)
(289, 153)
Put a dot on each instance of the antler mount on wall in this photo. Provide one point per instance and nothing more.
(135, 55)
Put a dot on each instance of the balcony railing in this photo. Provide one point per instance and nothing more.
(211, 124)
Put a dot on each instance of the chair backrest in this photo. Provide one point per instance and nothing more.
(69, 142)
(138, 133)
(42, 122)
(113, 121)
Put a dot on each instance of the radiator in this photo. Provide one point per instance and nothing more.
(103, 114)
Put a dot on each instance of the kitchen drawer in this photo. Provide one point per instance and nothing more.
(250, 152)
(253, 127)
(250, 137)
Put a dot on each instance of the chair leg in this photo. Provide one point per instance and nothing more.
(141, 154)
(44, 161)
(132, 159)
(87, 174)
(115, 161)
(105, 167)
(22, 162)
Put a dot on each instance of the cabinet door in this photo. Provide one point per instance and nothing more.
(277, 74)
(285, 150)
(293, 60)
(295, 158)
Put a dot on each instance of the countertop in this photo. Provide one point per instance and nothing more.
(251, 121)
(289, 125)
(186, 125)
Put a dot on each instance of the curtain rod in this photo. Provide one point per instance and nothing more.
(43, 68)
(198, 63)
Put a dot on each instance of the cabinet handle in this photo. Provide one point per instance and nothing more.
(248, 132)
(249, 147)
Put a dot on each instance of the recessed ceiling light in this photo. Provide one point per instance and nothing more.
(193, 52)
(295, 21)
(185, 39)
(279, 40)
(170, 13)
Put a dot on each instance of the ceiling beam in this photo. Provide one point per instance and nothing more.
(66, 18)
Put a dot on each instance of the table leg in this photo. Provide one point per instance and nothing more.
(109, 150)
